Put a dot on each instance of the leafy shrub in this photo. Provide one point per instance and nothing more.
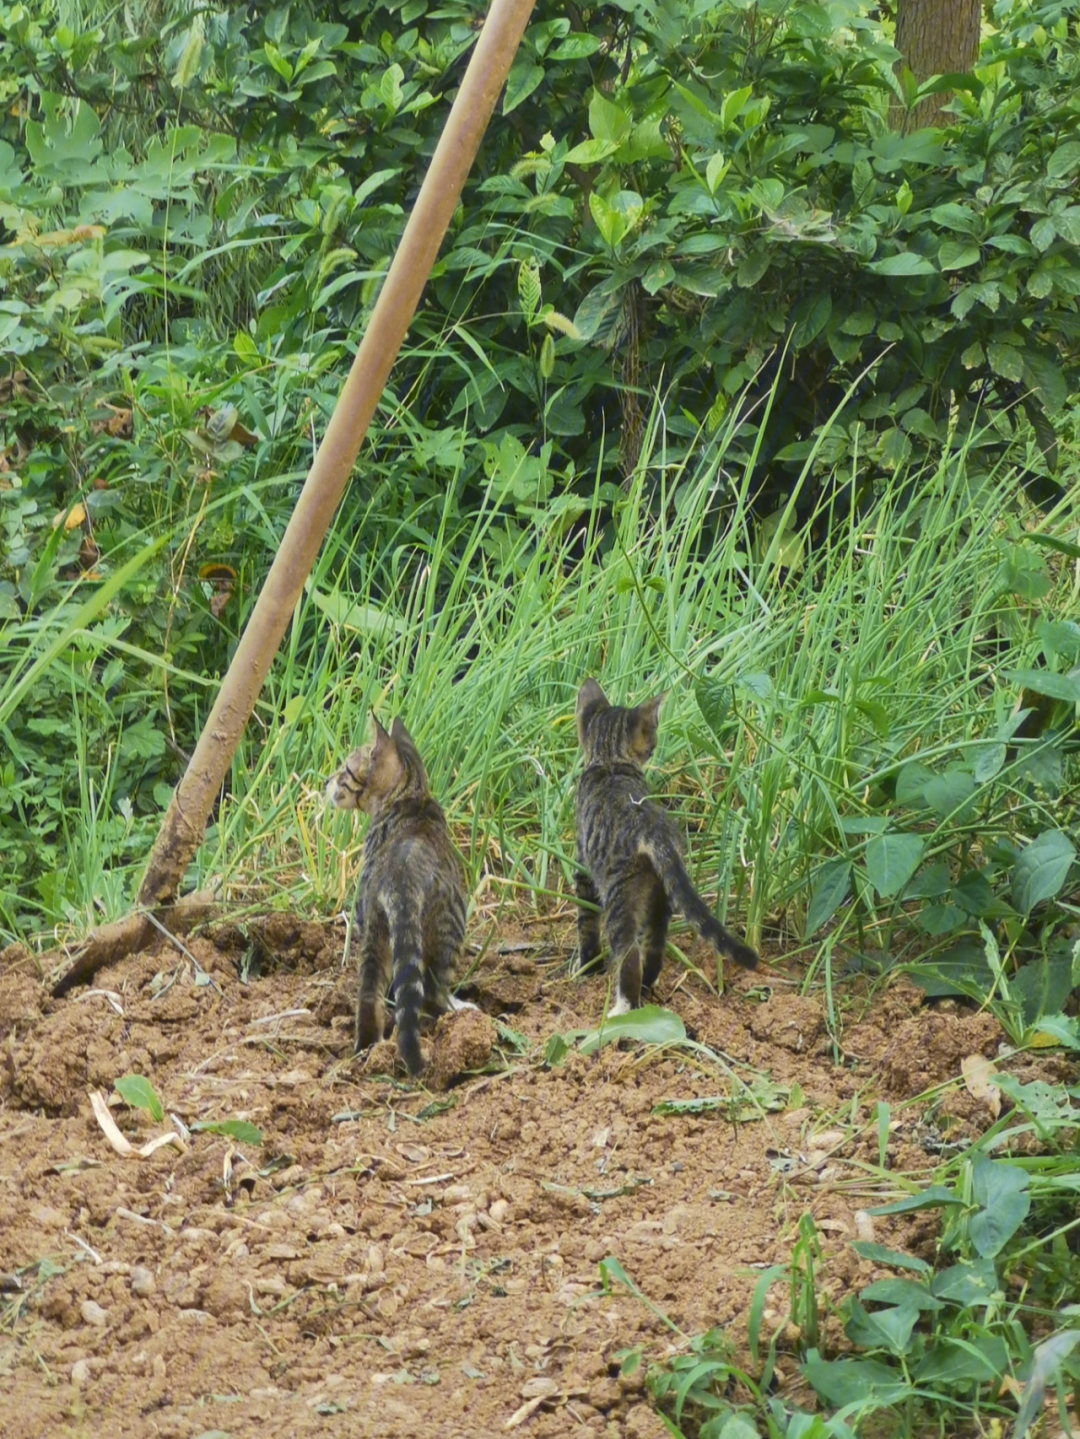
(196, 219)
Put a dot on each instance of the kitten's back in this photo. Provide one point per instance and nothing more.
(412, 904)
(618, 823)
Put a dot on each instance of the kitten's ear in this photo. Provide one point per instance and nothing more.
(399, 732)
(590, 698)
(646, 726)
(405, 744)
(386, 765)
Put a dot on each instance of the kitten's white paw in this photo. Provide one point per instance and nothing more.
(619, 1005)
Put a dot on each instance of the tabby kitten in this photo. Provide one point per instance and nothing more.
(410, 914)
(630, 852)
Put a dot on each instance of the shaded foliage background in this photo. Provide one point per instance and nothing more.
(700, 202)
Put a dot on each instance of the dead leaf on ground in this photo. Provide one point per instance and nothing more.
(979, 1075)
(124, 1147)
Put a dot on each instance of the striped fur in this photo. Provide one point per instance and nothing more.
(630, 852)
(410, 914)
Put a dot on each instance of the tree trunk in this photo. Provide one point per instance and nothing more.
(935, 37)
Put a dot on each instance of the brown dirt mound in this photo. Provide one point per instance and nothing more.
(396, 1259)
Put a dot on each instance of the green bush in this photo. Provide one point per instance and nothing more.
(704, 204)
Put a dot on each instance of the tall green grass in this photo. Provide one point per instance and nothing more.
(794, 694)
(795, 691)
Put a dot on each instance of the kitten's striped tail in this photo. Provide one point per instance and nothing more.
(681, 890)
(408, 996)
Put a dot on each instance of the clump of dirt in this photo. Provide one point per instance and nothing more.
(398, 1258)
(927, 1049)
(789, 1022)
(463, 1043)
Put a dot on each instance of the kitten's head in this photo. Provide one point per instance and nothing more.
(388, 767)
(612, 734)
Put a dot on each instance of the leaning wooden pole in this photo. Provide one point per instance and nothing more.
(184, 824)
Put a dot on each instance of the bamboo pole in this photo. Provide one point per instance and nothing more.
(184, 824)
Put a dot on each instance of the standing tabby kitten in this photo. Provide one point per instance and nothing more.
(631, 852)
(410, 915)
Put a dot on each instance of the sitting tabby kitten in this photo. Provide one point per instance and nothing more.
(630, 852)
(410, 915)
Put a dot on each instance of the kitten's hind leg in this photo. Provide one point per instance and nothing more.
(622, 930)
(437, 996)
(374, 974)
(440, 1000)
(657, 918)
(588, 922)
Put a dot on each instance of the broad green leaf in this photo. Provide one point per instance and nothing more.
(608, 121)
(951, 1363)
(958, 254)
(752, 267)
(238, 1129)
(607, 219)
(278, 62)
(895, 448)
(596, 311)
(732, 105)
(989, 759)
(714, 701)
(949, 794)
(591, 152)
(973, 356)
(832, 884)
(1059, 638)
(1006, 360)
(390, 87)
(1064, 160)
(137, 1091)
(865, 1383)
(907, 262)
(891, 860)
(1041, 870)
(1001, 1189)
(811, 318)
(1060, 1029)
(1044, 682)
(934, 1196)
(862, 322)
(648, 1025)
(1043, 233)
(555, 1050)
(759, 685)
(1046, 378)
(657, 276)
(523, 79)
(715, 170)
(877, 714)
(1023, 573)
(969, 1283)
(975, 895)
(576, 46)
(911, 782)
(879, 1254)
(888, 1329)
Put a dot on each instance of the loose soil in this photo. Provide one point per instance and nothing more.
(399, 1259)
